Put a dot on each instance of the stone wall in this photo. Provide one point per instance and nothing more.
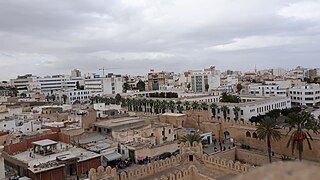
(141, 172)
(254, 158)
(186, 149)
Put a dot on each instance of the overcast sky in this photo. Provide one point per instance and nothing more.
(131, 36)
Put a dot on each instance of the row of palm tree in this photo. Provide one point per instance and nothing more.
(162, 106)
(301, 123)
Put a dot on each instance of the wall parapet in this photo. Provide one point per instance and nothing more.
(137, 173)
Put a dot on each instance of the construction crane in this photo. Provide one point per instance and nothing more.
(103, 70)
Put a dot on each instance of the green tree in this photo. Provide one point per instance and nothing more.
(180, 108)
(187, 105)
(236, 111)
(229, 98)
(188, 86)
(64, 97)
(141, 86)
(268, 130)
(195, 105)
(224, 109)
(300, 125)
(239, 88)
(204, 106)
(206, 87)
(171, 106)
(275, 113)
(151, 105)
(118, 98)
(213, 108)
(163, 106)
(194, 137)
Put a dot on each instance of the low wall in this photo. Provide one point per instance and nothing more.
(228, 154)
(255, 158)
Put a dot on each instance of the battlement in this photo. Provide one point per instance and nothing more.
(217, 162)
(141, 172)
(185, 174)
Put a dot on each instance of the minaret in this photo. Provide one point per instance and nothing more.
(255, 68)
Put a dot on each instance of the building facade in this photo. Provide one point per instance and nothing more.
(209, 78)
(305, 95)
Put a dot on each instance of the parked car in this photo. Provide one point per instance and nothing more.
(176, 152)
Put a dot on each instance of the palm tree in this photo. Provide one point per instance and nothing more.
(64, 97)
(157, 106)
(187, 105)
(171, 106)
(163, 106)
(236, 111)
(224, 109)
(268, 130)
(195, 105)
(191, 138)
(213, 108)
(300, 123)
(180, 108)
(204, 106)
(151, 104)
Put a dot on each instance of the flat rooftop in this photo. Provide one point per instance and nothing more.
(173, 114)
(45, 142)
(40, 163)
(112, 123)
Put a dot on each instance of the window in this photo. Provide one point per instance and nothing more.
(169, 131)
(248, 134)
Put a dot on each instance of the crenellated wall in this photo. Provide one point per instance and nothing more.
(186, 149)
(141, 172)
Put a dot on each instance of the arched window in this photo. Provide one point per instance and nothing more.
(248, 134)
(254, 135)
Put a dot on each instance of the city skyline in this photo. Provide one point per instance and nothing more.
(135, 36)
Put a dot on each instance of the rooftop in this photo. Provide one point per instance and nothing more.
(39, 163)
(113, 123)
(45, 142)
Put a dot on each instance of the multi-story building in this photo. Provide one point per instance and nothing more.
(209, 77)
(81, 96)
(306, 95)
(50, 84)
(107, 85)
(253, 106)
(229, 83)
(267, 90)
(75, 73)
(158, 79)
(23, 82)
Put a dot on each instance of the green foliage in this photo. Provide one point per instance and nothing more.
(230, 98)
(224, 109)
(300, 125)
(206, 87)
(239, 87)
(164, 95)
(236, 111)
(268, 130)
(191, 138)
(213, 108)
(188, 86)
(141, 86)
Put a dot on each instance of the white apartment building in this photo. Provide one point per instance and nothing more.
(20, 123)
(50, 84)
(253, 107)
(209, 76)
(109, 85)
(81, 96)
(22, 82)
(305, 95)
(267, 90)
(229, 83)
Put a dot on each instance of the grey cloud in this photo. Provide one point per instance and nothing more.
(184, 34)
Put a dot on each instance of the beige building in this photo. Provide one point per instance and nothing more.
(158, 79)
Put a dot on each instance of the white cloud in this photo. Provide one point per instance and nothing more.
(304, 10)
(252, 42)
